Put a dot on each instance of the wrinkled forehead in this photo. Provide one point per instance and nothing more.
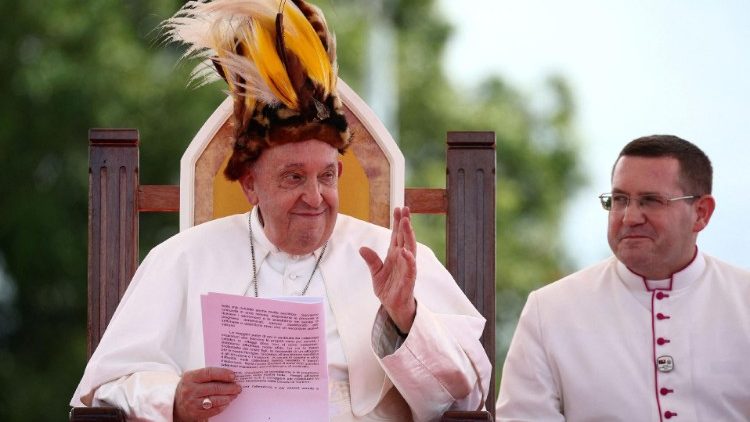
(312, 154)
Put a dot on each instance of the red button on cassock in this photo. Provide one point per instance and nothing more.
(669, 414)
(665, 391)
(661, 341)
(660, 295)
(661, 316)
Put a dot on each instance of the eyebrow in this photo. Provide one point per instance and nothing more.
(292, 166)
(616, 190)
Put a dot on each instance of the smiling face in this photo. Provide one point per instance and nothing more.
(655, 243)
(295, 187)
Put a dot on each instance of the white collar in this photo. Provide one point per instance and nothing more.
(679, 280)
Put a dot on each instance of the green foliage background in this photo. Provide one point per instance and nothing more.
(69, 65)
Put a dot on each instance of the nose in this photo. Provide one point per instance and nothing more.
(632, 214)
(311, 195)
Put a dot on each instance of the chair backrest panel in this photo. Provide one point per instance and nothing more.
(370, 187)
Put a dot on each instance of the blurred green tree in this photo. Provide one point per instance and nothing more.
(68, 66)
(71, 65)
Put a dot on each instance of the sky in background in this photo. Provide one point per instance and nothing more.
(636, 68)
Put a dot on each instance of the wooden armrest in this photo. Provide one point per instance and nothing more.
(466, 416)
(96, 414)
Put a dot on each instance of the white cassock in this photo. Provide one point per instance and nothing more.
(156, 334)
(605, 344)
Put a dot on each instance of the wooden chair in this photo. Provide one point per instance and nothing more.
(116, 198)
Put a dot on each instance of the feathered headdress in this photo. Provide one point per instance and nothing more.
(279, 61)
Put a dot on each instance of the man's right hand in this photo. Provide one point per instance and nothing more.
(216, 384)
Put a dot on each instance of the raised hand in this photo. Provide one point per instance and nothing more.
(393, 279)
(215, 384)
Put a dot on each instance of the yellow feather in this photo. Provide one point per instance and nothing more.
(260, 44)
(301, 39)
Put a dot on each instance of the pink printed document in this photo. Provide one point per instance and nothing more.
(277, 349)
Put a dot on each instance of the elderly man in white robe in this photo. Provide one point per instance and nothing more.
(402, 339)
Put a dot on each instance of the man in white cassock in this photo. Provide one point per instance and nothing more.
(660, 331)
(402, 338)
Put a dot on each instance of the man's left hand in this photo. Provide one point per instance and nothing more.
(393, 280)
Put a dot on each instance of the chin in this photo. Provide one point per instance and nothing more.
(636, 262)
(306, 243)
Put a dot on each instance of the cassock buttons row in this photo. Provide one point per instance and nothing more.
(664, 363)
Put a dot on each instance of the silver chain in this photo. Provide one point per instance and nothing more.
(255, 270)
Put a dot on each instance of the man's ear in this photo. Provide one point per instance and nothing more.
(704, 209)
(340, 168)
(247, 183)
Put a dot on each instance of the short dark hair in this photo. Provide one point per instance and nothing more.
(696, 172)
